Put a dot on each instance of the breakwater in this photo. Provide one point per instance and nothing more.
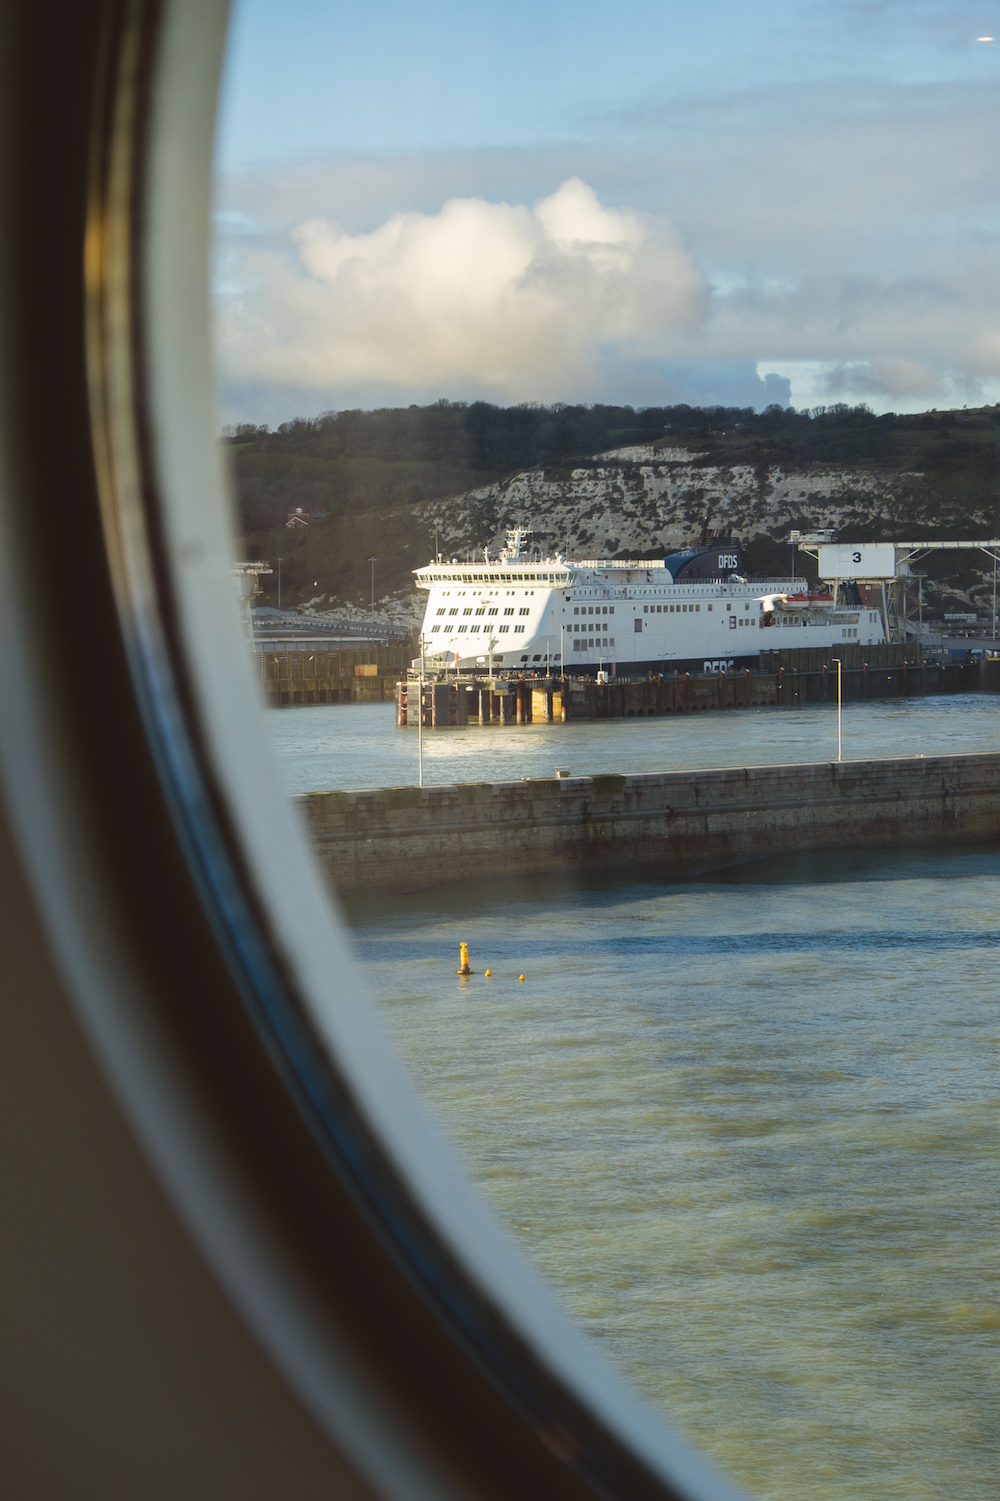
(788, 680)
(685, 823)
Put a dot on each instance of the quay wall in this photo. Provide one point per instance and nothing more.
(410, 838)
(797, 679)
(363, 674)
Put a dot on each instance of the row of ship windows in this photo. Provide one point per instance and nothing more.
(484, 611)
(848, 632)
(493, 578)
(593, 643)
(669, 609)
(590, 609)
(472, 629)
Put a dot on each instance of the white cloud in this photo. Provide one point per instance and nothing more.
(849, 228)
(497, 298)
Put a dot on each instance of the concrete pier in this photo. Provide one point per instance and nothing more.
(784, 685)
(684, 823)
(362, 675)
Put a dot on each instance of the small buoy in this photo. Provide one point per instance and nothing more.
(487, 973)
(464, 967)
(520, 977)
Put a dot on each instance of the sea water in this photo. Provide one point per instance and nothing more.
(324, 746)
(745, 1127)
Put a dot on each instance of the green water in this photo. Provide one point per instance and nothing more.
(357, 745)
(747, 1130)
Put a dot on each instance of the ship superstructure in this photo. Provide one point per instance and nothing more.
(692, 611)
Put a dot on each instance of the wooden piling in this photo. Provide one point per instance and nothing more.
(790, 686)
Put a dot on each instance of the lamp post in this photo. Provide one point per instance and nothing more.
(279, 561)
(373, 561)
(420, 717)
(920, 612)
(840, 712)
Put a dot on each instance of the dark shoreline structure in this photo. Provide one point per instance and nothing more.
(684, 823)
(786, 679)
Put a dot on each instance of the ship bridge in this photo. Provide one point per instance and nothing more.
(558, 574)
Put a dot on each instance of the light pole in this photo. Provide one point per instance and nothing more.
(920, 612)
(420, 717)
(373, 561)
(840, 712)
(278, 561)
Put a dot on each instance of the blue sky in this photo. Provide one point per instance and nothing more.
(308, 78)
(801, 189)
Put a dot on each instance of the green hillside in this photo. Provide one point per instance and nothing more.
(370, 479)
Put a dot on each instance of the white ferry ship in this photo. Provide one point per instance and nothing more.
(692, 611)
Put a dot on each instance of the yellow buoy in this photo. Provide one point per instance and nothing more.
(520, 977)
(464, 967)
(487, 973)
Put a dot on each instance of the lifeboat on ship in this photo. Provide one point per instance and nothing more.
(808, 602)
(814, 599)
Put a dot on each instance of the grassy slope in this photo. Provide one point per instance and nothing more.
(367, 516)
(377, 475)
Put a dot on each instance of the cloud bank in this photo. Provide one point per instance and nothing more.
(501, 299)
(844, 238)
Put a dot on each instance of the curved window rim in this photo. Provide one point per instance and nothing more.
(278, 949)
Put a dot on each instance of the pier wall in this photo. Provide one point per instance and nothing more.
(409, 838)
(788, 684)
(363, 674)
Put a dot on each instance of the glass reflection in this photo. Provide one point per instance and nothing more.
(740, 1125)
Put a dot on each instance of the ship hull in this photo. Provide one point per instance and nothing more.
(627, 618)
(656, 666)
